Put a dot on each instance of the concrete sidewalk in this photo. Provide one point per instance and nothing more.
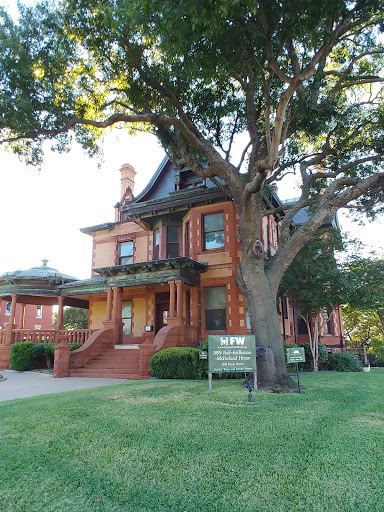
(27, 384)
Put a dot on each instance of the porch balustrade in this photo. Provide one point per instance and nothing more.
(48, 336)
(2, 336)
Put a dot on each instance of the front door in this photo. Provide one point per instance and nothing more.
(161, 310)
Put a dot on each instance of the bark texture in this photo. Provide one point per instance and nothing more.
(260, 300)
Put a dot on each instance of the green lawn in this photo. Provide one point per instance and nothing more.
(169, 446)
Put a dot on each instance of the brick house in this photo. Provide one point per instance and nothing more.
(27, 316)
(163, 274)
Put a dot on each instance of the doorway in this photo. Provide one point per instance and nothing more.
(161, 310)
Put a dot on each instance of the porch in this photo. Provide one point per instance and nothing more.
(145, 308)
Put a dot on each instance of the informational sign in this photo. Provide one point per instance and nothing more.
(231, 354)
(295, 355)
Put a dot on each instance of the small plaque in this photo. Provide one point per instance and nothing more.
(295, 355)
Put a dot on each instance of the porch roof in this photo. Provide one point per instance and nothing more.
(153, 272)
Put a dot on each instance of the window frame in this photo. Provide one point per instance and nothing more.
(120, 257)
(187, 239)
(207, 310)
(156, 246)
(204, 232)
(172, 244)
(130, 301)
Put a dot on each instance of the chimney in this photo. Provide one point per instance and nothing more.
(127, 179)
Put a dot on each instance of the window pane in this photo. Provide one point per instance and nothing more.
(215, 297)
(173, 234)
(126, 260)
(214, 222)
(156, 237)
(126, 249)
(126, 311)
(215, 320)
(214, 240)
(172, 250)
(127, 326)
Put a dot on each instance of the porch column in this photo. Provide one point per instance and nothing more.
(116, 307)
(60, 314)
(171, 298)
(22, 315)
(109, 304)
(8, 336)
(179, 305)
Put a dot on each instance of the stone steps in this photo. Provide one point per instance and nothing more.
(120, 362)
(92, 373)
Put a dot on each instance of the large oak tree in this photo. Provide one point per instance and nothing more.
(301, 80)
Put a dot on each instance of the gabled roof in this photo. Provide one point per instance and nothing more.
(160, 199)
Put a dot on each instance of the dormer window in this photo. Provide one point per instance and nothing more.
(190, 180)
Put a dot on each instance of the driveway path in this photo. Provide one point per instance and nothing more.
(26, 384)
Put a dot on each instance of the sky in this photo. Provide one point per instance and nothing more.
(42, 211)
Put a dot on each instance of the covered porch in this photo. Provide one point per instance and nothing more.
(37, 286)
(136, 309)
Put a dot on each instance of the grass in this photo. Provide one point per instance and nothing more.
(169, 446)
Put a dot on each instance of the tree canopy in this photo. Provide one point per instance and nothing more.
(363, 316)
(74, 318)
(316, 284)
(298, 84)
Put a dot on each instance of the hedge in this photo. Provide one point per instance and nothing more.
(178, 363)
(344, 362)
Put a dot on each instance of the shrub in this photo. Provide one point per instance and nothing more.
(379, 361)
(21, 357)
(178, 363)
(34, 354)
(344, 362)
(74, 346)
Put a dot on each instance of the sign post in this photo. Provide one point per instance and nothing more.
(296, 355)
(231, 354)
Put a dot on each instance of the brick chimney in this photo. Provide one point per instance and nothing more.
(127, 179)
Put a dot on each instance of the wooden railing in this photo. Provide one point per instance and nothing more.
(45, 336)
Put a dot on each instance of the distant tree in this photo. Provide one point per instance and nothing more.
(75, 318)
(301, 81)
(363, 316)
(362, 328)
(316, 285)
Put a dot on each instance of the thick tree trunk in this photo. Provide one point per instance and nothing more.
(260, 300)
